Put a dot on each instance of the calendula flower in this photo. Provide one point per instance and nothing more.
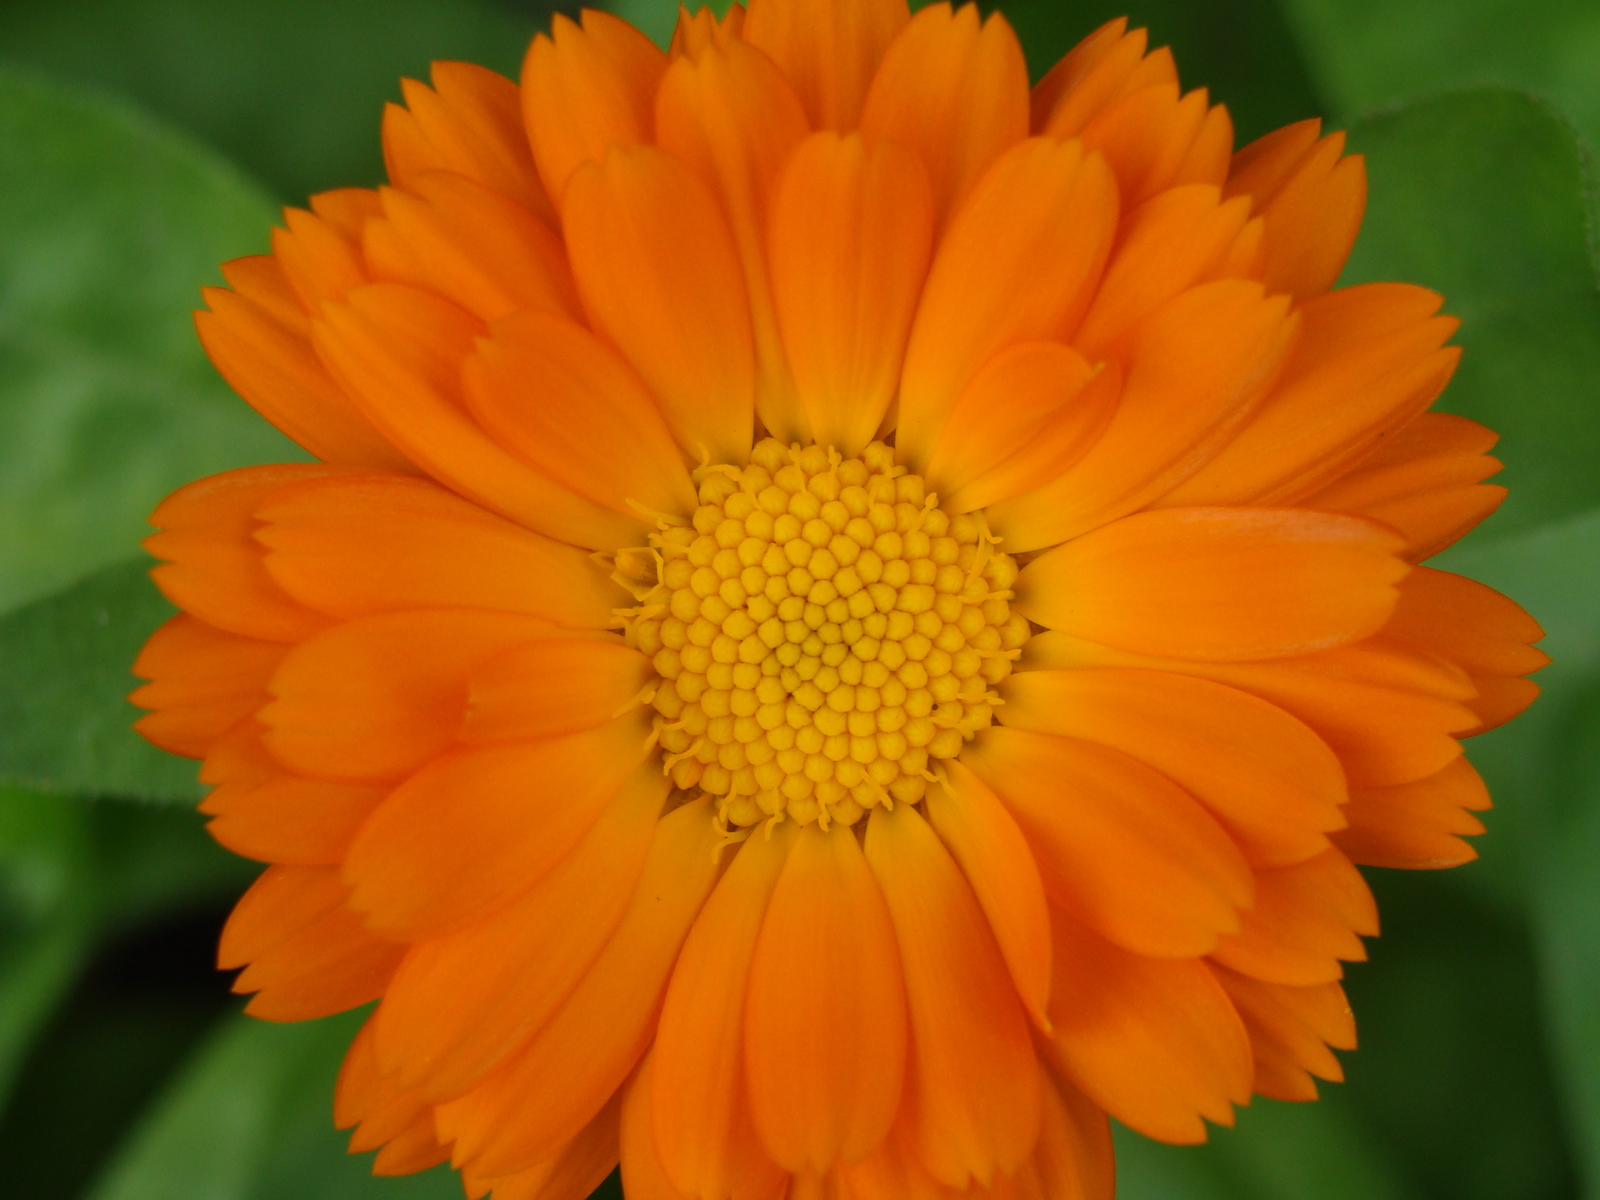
(853, 618)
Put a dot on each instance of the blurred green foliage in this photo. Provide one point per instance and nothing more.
(142, 143)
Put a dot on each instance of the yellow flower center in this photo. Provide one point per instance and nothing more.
(822, 630)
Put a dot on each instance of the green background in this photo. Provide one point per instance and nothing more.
(144, 141)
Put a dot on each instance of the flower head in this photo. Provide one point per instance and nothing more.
(853, 618)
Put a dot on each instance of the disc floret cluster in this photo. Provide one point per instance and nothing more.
(824, 633)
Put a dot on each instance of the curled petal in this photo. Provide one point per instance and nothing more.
(1018, 263)
(568, 404)
(1197, 368)
(1032, 411)
(376, 698)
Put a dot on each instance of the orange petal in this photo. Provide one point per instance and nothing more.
(1416, 825)
(309, 956)
(1197, 367)
(550, 687)
(476, 827)
(1018, 263)
(321, 257)
(203, 682)
(1260, 169)
(1486, 633)
(999, 865)
(1425, 481)
(281, 902)
(1029, 413)
(825, 1013)
(1210, 152)
(468, 123)
(573, 1173)
(1146, 137)
(698, 1109)
(261, 279)
(701, 30)
(1164, 246)
(955, 90)
(461, 1004)
(895, 1171)
(1155, 1042)
(472, 246)
(728, 112)
(415, 1148)
(850, 235)
(1272, 782)
(1312, 201)
(1100, 70)
(398, 351)
(564, 401)
(1391, 715)
(368, 1097)
(1368, 361)
(660, 278)
(261, 811)
(1074, 1159)
(593, 1041)
(973, 1080)
(213, 566)
(359, 546)
(1290, 1031)
(1218, 583)
(585, 89)
(643, 1174)
(1121, 847)
(828, 50)
(1306, 917)
(374, 699)
(271, 365)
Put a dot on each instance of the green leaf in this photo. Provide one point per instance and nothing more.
(108, 226)
(117, 983)
(46, 915)
(1481, 196)
(1566, 896)
(291, 89)
(1368, 54)
(1276, 1152)
(65, 721)
(250, 1118)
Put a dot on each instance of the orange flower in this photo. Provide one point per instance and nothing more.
(852, 620)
